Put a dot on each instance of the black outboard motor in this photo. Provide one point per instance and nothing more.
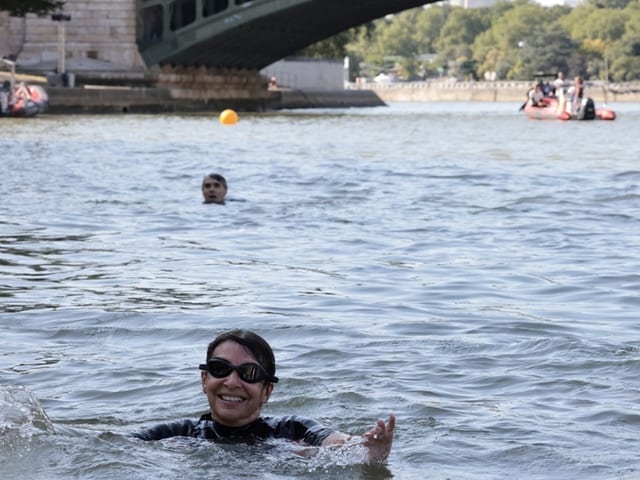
(586, 110)
(589, 109)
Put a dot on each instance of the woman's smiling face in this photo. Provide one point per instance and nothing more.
(233, 402)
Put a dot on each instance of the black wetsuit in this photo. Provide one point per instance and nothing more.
(291, 427)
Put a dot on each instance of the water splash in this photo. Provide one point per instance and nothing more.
(21, 413)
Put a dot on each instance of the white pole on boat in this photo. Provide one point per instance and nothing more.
(606, 77)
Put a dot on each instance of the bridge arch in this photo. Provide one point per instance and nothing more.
(246, 33)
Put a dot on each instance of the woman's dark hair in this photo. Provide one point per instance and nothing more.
(253, 342)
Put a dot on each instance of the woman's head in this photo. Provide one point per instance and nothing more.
(234, 399)
(254, 343)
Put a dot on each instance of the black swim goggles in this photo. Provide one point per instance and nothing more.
(248, 372)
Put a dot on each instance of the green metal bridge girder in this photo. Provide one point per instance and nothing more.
(202, 30)
(247, 34)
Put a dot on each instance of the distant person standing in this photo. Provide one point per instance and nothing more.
(214, 188)
(576, 93)
(559, 84)
(560, 89)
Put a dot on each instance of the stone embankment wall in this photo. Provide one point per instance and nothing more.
(486, 91)
(204, 84)
(12, 31)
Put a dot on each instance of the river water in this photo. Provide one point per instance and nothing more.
(470, 270)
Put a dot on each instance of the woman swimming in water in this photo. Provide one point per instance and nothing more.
(238, 378)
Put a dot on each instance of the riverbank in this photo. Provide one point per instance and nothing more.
(113, 99)
(488, 91)
(144, 98)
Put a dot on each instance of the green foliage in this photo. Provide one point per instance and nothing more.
(333, 47)
(429, 24)
(513, 39)
(461, 28)
(20, 8)
(609, 3)
(605, 24)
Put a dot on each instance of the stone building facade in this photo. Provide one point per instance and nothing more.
(12, 32)
(99, 32)
(101, 48)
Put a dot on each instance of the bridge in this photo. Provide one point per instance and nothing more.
(248, 34)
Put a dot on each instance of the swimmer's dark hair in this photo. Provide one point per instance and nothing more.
(253, 342)
(218, 178)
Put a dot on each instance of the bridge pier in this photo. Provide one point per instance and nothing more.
(202, 84)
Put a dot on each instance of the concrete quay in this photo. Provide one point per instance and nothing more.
(503, 91)
(177, 92)
(113, 99)
(96, 87)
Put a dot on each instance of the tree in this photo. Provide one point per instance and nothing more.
(368, 51)
(457, 34)
(514, 40)
(608, 3)
(399, 37)
(461, 28)
(522, 42)
(332, 47)
(624, 54)
(429, 23)
(605, 35)
(19, 8)
(606, 24)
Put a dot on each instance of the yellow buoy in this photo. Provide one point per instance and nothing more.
(228, 117)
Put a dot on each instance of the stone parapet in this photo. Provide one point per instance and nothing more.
(486, 91)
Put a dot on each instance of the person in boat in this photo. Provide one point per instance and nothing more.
(5, 96)
(238, 378)
(536, 95)
(214, 188)
(560, 90)
(577, 93)
(559, 85)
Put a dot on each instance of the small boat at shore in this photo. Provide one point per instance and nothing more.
(20, 99)
(548, 109)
